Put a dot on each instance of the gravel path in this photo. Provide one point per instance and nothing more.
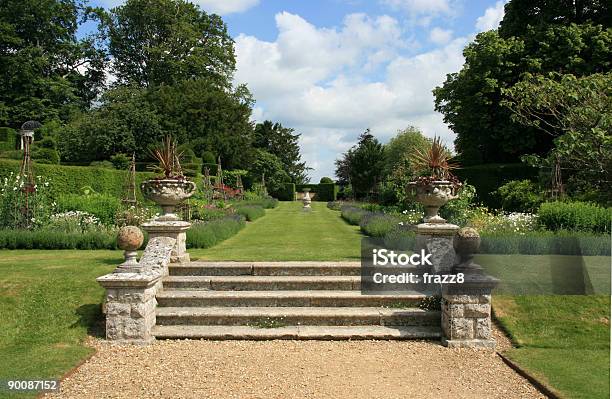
(293, 369)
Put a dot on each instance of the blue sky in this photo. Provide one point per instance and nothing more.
(332, 68)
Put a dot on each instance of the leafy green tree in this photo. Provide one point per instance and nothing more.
(271, 168)
(577, 113)
(470, 99)
(283, 143)
(519, 15)
(155, 42)
(46, 72)
(364, 164)
(326, 180)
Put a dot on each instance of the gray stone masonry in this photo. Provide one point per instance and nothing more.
(176, 229)
(130, 297)
(437, 239)
(466, 313)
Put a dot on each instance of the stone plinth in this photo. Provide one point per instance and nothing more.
(130, 297)
(466, 313)
(437, 239)
(175, 229)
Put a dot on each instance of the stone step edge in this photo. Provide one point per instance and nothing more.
(290, 311)
(280, 294)
(297, 332)
(198, 263)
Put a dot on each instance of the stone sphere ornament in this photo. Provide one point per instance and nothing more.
(129, 238)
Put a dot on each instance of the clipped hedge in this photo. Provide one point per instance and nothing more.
(378, 224)
(47, 239)
(325, 191)
(577, 216)
(250, 212)
(488, 177)
(546, 243)
(205, 235)
(71, 179)
(286, 192)
(8, 139)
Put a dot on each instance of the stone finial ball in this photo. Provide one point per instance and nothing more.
(130, 238)
(467, 240)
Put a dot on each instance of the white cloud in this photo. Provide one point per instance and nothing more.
(419, 7)
(320, 82)
(491, 18)
(440, 36)
(223, 7)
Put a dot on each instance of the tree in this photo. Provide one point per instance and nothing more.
(271, 168)
(155, 42)
(283, 143)
(470, 99)
(577, 112)
(519, 15)
(364, 163)
(326, 180)
(46, 72)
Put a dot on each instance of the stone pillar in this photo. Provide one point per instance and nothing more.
(466, 313)
(437, 239)
(466, 306)
(175, 229)
(130, 296)
(130, 306)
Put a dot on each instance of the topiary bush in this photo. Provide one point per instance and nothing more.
(378, 224)
(120, 161)
(576, 216)
(45, 155)
(250, 212)
(520, 196)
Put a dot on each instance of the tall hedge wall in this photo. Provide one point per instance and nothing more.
(325, 191)
(8, 139)
(286, 193)
(487, 178)
(71, 179)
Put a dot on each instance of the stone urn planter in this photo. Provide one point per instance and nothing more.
(306, 200)
(168, 193)
(433, 195)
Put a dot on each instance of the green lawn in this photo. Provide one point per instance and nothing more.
(564, 340)
(290, 233)
(49, 301)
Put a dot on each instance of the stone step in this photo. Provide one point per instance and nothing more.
(266, 269)
(281, 316)
(263, 283)
(326, 298)
(297, 332)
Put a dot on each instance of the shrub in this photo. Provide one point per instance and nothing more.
(546, 243)
(250, 212)
(46, 155)
(47, 142)
(520, 196)
(205, 235)
(103, 206)
(353, 215)
(401, 238)
(120, 161)
(286, 192)
(326, 180)
(102, 164)
(54, 239)
(576, 216)
(266, 203)
(378, 224)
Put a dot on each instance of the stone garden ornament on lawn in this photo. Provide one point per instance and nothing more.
(168, 191)
(306, 199)
(129, 238)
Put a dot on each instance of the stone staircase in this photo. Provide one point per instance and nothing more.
(284, 300)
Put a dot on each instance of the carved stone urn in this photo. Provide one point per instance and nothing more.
(168, 193)
(433, 195)
(306, 200)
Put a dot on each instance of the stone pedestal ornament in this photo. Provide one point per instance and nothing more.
(466, 307)
(437, 240)
(306, 199)
(168, 193)
(433, 196)
(129, 239)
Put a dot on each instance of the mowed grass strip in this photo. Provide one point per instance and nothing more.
(289, 233)
(563, 340)
(49, 300)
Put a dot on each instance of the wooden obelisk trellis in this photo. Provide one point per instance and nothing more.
(25, 213)
(208, 186)
(219, 180)
(239, 187)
